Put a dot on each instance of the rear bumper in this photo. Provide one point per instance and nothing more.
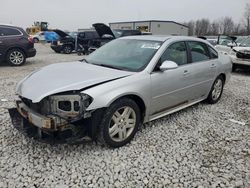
(31, 52)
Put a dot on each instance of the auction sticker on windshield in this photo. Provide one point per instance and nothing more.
(155, 46)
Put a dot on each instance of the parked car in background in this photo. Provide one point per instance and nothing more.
(241, 54)
(39, 36)
(69, 42)
(225, 43)
(15, 45)
(126, 82)
(238, 48)
(106, 34)
(88, 41)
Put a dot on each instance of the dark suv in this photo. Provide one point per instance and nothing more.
(68, 43)
(15, 45)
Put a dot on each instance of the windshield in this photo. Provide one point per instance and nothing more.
(117, 33)
(224, 40)
(73, 34)
(125, 54)
(246, 43)
(240, 39)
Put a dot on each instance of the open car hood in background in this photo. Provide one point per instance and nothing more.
(103, 29)
(60, 33)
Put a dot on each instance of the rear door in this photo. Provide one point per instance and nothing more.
(202, 68)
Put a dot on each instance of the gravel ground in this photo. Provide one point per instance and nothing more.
(197, 147)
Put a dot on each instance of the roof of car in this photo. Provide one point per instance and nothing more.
(162, 38)
(8, 25)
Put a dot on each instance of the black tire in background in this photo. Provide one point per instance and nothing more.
(234, 68)
(35, 40)
(107, 132)
(67, 49)
(16, 57)
(216, 90)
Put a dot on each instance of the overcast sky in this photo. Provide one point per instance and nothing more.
(74, 14)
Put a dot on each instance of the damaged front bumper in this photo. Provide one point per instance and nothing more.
(47, 129)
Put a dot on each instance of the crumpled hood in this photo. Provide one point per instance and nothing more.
(62, 77)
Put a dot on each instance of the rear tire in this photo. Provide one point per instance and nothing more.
(216, 90)
(120, 123)
(16, 57)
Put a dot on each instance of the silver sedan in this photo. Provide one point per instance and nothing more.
(125, 83)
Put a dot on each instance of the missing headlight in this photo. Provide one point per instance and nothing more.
(76, 106)
(64, 105)
(69, 106)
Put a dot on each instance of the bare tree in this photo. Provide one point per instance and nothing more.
(214, 28)
(247, 18)
(191, 27)
(237, 29)
(202, 27)
(228, 25)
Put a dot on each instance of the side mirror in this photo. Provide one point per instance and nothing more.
(168, 65)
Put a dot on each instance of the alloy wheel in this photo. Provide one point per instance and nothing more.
(218, 86)
(122, 124)
(16, 58)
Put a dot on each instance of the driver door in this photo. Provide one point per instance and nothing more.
(171, 88)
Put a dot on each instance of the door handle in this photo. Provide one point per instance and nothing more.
(213, 65)
(1, 42)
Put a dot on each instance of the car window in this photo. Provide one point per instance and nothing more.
(176, 52)
(245, 43)
(213, 53)
(88, 34)
(198, 51)
(10, 32)
(225, 40)
(95, 35)
(82, 35)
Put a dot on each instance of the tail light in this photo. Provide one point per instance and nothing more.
(30, 39)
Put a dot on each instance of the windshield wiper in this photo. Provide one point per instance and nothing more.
(110, 66)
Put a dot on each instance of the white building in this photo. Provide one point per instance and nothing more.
(156, 27)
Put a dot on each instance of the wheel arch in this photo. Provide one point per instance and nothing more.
(36, 38)
(138, 100)
(223, 75)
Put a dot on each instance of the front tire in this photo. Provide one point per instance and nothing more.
(216, 90)
(16, 57)
(120, 123)
(67, 49)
